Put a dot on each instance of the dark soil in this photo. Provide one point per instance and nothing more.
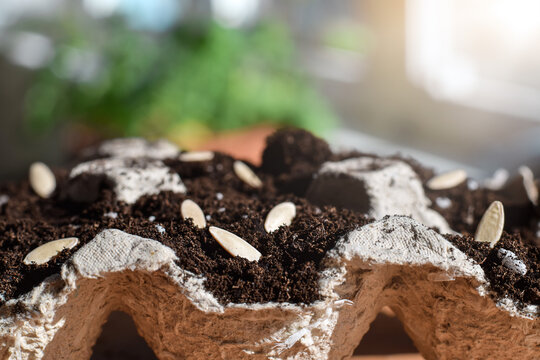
(293, 156)
(288, 269)
(504, 281)
(468, 206)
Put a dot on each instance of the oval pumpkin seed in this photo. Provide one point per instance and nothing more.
(491, 225)
(281, 215)
(42, 179)
(447, 180)
(42, 254)
(247, 175)
(190, 210)
(234, 245)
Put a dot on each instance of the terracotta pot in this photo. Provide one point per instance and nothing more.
(247, 144)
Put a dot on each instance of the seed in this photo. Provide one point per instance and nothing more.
(281, 214)
(447, 180)
(234, 245)
(190, 210)
(193, 156)
(247, 175)
(42, 179)
(491, 225)
(42, 254)
(528, 183)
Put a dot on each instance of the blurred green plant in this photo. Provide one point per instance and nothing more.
(123, 82)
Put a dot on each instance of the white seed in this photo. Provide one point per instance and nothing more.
(247, 175)
(47, 251)
(190, 210)
(42, 179)
(447, 180)
(491, 225)
(281, 215)
(528, 183)
(193, 156)
(234, 245)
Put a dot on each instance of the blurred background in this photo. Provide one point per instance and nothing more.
(454, 83)
(451, 82)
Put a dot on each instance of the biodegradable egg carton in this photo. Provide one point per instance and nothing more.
(438, 293)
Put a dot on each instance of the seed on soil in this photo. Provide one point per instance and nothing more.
(491, 225)
(280, 215)
(529, 184)
(193, 156)
(190, 210)
(234, 245)
(42, 254)
(247, 175)
(447, 180)
(42, 179)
